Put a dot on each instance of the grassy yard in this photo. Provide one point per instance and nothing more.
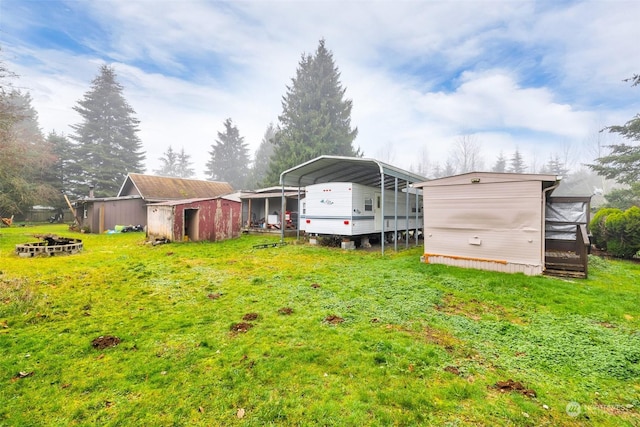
(226, 334)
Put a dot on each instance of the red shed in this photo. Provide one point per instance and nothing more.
(211, 219)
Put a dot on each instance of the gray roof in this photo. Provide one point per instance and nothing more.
(347, 169)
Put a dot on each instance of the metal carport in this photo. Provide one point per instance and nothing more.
(365, 171)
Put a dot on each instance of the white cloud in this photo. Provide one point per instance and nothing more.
(420, 74)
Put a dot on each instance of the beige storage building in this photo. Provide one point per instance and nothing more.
(489, 221)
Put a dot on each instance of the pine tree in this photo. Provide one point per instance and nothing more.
(229, 159)
(169, 161)
(516, 164)
(107, 144)
(184, 165)
(25, 156)
(316, 119)
(262, 158)
(60, 172)
(501, 164)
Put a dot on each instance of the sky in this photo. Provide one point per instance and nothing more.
(540, 77)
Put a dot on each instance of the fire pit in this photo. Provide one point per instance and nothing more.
(50, 245)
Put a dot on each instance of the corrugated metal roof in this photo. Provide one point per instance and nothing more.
(477, 177)
(269, 195)
(229, 197)
(346, 169)
(152, 187)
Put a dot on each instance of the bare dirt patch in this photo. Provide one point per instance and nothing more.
(333, 319)
(452, 370)
(511, 385)
(285, 311)
(250, 316)
(105, 341)
(241, 327)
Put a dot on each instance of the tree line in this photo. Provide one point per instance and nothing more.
(315, 120)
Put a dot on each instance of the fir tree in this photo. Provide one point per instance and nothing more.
(184, 165)
(169, 161)
(516, 164)
(229, 159)
(501, 164)
(316, 119)
(107, 144)
(622, 163)
(25, 156)
(262, 158)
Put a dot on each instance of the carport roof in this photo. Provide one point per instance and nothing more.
(346, 169)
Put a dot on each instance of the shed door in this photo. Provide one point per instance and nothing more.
(191, 224)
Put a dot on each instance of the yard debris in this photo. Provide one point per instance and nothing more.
(241, 327)
(315, 285)
(375, 320)
(106, 341)
(333, 319)
(240, 414)
(511, 385)
(285, 311)
(269, 245)
(23, 374)
(250, 316)
(214, 296)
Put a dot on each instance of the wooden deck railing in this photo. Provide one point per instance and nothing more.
(582, 247)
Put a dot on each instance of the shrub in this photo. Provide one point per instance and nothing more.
(597, 227)
(622, 232)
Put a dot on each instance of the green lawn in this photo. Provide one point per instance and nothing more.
(417, 345)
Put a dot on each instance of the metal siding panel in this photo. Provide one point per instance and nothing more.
(505, 217)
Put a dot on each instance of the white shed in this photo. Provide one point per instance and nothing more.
(489, 221)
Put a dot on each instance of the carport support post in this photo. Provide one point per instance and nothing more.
(395, 215)
(406, 215)
(417, 224)
(298, 220)
(283, 218)
(382, 213)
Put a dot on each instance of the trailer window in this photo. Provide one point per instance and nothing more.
(368, 204)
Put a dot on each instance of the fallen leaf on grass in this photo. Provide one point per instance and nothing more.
(214, 296)
(201, 409)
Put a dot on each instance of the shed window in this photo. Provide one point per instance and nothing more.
(368, 204)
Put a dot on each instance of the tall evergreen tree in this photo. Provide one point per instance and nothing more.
(184, 166)
(316, 119)
(177, 164)
(501, 163)
(107, 144)
(622, 163)
(169, 161)
(229, 159)
(60, 172)
(25, 157)
(516, 164)
(262, 159)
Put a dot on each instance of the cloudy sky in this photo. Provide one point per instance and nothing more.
(541, 77)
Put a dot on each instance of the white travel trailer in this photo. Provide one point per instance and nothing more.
(351, 209)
